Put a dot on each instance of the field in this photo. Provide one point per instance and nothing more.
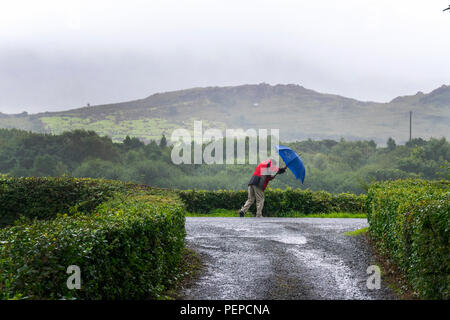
(146, 129)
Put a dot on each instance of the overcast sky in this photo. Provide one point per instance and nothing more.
(61, 54)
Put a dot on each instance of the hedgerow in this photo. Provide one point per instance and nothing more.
(42, 198)
(128, 247)
(277, 202)
(409, 224)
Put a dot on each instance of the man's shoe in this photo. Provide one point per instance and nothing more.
(241, 214)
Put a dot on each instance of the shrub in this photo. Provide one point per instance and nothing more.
(277, 201)
(409, 224)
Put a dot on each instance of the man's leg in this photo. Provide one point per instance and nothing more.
(259, 195)
(250, 200)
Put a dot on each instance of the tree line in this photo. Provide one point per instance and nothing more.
(334, 166)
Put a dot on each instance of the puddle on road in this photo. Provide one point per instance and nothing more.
(287, 239)
(274, 233)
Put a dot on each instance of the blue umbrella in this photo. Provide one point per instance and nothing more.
(292, 161)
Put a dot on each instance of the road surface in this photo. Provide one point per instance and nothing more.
(280, 258)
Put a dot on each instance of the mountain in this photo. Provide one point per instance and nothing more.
(298, 112)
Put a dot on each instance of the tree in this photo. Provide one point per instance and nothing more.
(132, 143)
(163, 142)
(391, 145)
(152, 151)
(44, 165)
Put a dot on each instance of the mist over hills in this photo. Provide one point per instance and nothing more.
(298, 112)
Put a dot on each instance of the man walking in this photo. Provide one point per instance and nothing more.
(258, 183)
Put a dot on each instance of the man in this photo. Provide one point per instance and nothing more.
(258, 183)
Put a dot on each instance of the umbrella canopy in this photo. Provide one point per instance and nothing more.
(292, 161)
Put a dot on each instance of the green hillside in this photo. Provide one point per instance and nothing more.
(298, 112)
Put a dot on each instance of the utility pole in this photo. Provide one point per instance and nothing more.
(410, 125)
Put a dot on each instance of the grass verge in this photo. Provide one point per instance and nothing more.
(357, 232)
(391, 274)
(231, 213)
(191, 267)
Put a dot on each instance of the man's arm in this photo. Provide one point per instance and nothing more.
(280, 171)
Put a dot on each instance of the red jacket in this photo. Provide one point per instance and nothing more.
(263, 174)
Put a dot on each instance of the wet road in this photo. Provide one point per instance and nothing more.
(280, 258)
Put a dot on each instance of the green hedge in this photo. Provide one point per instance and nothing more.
(128, 247)
(409, 223)
(43, 198)
(277, 202)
